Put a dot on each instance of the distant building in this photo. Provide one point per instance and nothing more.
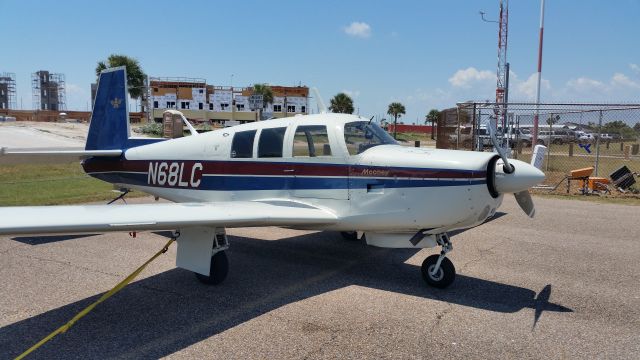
(7, 91)
(94, 89)
(48, 91)
(201, 102)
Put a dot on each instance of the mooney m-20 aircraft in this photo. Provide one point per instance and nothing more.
(317, 172)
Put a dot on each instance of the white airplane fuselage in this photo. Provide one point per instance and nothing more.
(386, 188)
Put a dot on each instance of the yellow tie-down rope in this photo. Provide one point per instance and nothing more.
(104, 297)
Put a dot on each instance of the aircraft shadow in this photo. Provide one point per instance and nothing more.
(46, 239)
(162, 314)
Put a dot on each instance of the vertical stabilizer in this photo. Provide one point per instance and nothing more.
(109, 127)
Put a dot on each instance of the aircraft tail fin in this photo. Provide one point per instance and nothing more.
(109, 127)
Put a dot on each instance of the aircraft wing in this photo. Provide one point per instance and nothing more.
(162, 216)
(49, 155)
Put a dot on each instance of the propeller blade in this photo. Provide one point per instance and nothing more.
(526, 203)
(508, 169)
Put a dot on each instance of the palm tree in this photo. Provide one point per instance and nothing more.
(433, 116)
(267, 95)
(135, 75)
(396, 109)
(341, 103)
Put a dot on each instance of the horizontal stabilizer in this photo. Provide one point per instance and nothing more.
(50, 155)
(163, 216)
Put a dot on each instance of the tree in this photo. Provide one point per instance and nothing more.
(396, 110)
(267, 95)
(636, 127)
(135, 75)
(553, 119)
(341, 103)
(432, 116)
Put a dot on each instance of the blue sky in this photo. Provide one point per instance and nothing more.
(425, 54)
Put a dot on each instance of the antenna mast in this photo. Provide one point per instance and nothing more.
(503, 67)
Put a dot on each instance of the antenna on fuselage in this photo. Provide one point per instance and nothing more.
(322, 108)
(370, 120)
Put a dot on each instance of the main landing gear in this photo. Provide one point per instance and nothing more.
(219, 263)
(437, 270)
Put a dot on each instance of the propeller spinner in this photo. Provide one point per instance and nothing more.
(517, 176)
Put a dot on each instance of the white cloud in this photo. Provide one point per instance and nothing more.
(358, 29)
(352, 93)
(584, 84)
(467, 77)
(527, 89)
(620, 79)
(635, 68)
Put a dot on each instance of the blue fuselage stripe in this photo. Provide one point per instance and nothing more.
(240, 183)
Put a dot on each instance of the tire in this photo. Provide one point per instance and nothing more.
(349, 235)
(445, 275)
(217, 271)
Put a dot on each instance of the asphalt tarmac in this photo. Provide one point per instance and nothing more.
(564, 285)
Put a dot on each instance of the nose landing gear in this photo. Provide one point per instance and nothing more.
(437, 270)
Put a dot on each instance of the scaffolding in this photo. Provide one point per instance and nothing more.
(7, 90)
(48, 91)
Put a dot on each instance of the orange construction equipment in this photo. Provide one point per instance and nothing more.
(581, 175)
(596, 184)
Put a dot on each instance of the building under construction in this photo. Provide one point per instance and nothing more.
(7, 90)
(219, 104)
(48, 91)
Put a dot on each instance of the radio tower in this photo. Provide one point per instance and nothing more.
(503, 67)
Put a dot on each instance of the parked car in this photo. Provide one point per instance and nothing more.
(552, 137)
(606, 137)
(522, 136)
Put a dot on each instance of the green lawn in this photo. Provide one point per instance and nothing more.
(51, 185)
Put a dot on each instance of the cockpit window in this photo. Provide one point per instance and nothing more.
(362, 135)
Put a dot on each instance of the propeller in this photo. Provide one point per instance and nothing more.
(523, 198)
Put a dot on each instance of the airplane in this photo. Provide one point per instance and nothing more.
(326, 171)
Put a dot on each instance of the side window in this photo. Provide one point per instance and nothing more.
(242, 145)
(311, 141)
(271, 142)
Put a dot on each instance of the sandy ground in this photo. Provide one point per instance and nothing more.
(563, 285)
(27, 134)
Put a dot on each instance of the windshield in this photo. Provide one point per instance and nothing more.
(362, 135)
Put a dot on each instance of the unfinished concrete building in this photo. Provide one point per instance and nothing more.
(7, 90)
(48, 90)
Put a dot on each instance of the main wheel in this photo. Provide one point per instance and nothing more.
(445, 275)
(217, 271)
(349, 235)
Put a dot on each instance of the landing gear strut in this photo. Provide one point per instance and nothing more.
(219, 267)
(437, 270)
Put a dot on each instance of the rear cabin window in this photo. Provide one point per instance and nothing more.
(311, 141)
(271, 142)
(242, 145)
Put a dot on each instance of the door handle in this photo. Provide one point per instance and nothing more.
(288, 170)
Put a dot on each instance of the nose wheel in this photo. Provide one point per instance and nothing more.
(437, 270)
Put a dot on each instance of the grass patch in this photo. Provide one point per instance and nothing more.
(51, 185)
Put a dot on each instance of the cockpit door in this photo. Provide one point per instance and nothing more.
(318, 170)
